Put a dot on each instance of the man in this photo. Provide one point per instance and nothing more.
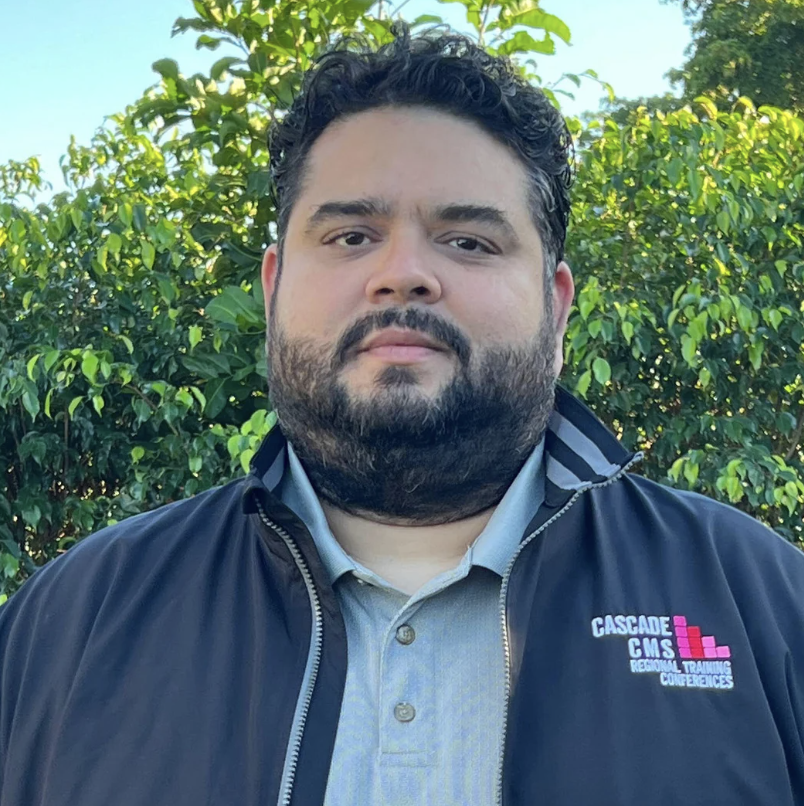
(439, 584)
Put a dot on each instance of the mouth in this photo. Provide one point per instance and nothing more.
(400, 347)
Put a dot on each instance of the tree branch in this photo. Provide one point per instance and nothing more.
(153, 406)
(796, 438)
(66, 445)
(482, 28)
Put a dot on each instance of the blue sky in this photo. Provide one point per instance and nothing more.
(67, 65)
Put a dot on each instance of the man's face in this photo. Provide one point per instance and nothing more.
(412, 300)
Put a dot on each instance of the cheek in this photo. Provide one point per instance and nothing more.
(498, 309)
(315, 304)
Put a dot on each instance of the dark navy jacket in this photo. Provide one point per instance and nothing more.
(196, 655)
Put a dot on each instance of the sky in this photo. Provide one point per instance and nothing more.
(67, 65)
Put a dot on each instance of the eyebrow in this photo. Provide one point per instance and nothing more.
(448, 213)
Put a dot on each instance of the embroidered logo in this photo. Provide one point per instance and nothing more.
(671, 648)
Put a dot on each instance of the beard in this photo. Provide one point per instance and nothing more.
(396, 455)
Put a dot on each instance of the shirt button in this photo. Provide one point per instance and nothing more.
(405, 634)
(404, 712)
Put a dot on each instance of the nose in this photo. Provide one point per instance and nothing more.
(402, 274)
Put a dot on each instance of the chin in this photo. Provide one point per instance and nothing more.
(401, 377)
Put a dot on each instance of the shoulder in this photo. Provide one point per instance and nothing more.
(121, 558)
(696, 526)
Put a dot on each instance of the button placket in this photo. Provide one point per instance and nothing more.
(406, 727)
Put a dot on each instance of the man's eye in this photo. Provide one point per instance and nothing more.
(466, 244)
(349, 239)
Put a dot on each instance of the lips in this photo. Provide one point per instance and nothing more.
(400, 338)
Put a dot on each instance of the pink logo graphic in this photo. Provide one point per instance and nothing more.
(693, 646)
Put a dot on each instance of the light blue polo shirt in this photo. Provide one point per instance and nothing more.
(422, 714)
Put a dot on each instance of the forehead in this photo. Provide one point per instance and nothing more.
(415, 158)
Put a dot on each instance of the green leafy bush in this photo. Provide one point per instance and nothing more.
(689, 333)
(131, 317)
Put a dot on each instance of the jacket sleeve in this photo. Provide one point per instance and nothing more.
(40, 639)
(766, 579)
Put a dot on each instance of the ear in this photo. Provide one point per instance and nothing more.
(270, 265)
(563, 294)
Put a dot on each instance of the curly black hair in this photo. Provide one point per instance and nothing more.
(447, 72)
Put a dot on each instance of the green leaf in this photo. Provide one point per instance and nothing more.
(199, 396)
(148, 254)
(195, 463)
(675, 469)
(32, 515)
(674, 170)
(723, 221)
(536, 18)
(734, 489)
(167, 68)
(426, 19)
(137, 452)
(628, 330)
(235, 306)
(775, 318)
(185, 398)
(695, 183)
(101, 259)
(209, 365)
(216, 397)
(166, 289)
(140, 219)
(583, 382)
(32, 364)
(222, 66)
(708, 105)
(245, 459)
(755, 354)
(74, 404)
(51, 357)
(97, 403)
(689, 349)
(89, 366)
(523, 42)
(125, 214)
(601, 370)
(30, 401)
(11, 566)
(745, 319)
(196, 333)
(114, 243)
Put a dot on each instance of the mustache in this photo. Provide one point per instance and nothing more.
(409, 318)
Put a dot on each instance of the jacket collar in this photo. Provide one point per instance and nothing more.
(579, 451)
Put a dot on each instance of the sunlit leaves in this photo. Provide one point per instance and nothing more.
(148, 254)
(688, 231)
(132, 327)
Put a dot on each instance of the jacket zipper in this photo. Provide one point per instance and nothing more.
(316, 641)
(503, 615)
(318, 626)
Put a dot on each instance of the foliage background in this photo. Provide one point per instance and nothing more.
(131, 325)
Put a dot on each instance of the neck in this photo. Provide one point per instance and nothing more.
(406, 556)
